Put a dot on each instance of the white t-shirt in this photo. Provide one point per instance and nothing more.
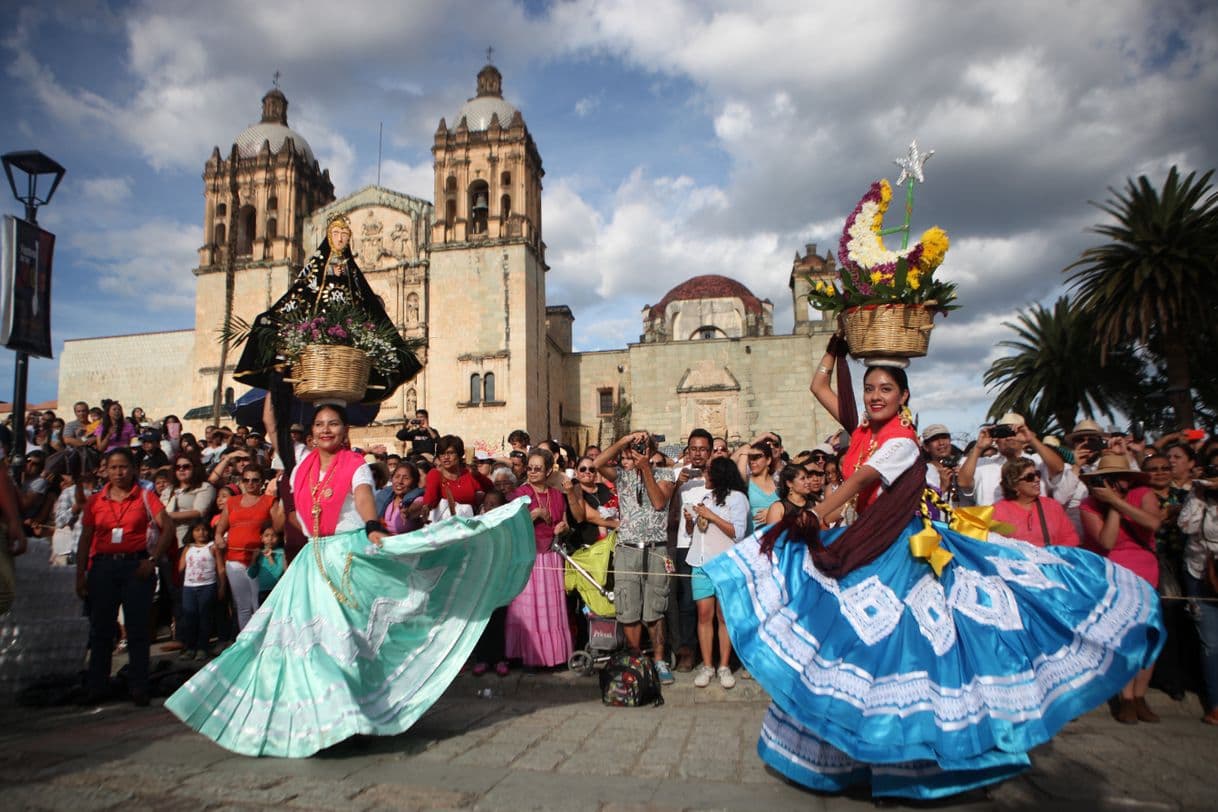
(688, 495)
(348, 517)
(893, 458)
(987, 480)
(200, 565)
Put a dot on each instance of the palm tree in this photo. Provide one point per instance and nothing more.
(1155, 282)
(1057, 368)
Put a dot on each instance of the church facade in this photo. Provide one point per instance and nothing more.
(466, 274)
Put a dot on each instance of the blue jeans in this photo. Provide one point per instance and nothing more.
(1205, 614)
(113, 583)
(194, 624)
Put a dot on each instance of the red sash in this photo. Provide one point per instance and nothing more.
(863, 443)
(312, 487)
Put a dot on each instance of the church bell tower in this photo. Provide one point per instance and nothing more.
(487, 370)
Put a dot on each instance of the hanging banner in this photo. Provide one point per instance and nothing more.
(25, 287)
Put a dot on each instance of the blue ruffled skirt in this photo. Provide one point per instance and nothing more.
(928, 686)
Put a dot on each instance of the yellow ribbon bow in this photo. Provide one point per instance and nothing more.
(977, 522)
(925, 544)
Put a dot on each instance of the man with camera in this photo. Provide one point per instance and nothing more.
(690, 488)
(942, 460)
(980, 478)
(640, 559)
(419, 433)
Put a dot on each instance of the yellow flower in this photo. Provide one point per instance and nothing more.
(912, 279)
(876, 277)
(934, 247)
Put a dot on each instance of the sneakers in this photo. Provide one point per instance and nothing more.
(702, 675)
(725, 677)
(663, 672)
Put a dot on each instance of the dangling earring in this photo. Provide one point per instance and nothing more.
(866, 421)
(906, 416)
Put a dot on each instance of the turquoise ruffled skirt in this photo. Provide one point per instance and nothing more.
(928, 686)
(357, 639)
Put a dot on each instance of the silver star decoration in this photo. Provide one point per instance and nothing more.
(911, 164)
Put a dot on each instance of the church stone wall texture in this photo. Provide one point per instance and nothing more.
(150, 370)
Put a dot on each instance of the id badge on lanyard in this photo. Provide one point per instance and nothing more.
(116, 535)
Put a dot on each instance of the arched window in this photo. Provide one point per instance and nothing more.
(505, 206)
(221, 210)
(488, 387)
(505, 179)
(229, 395)
(707, 331)
(475, 388)
(450, 184)
(272, 204)
(246, 224)
(479, 206)
(221, 235)
(450, 212)
(272, 228)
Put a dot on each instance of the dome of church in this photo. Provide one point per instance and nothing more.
(709, 286)
(273, 128)
(488, 102)
(478, 111)
(250, 140)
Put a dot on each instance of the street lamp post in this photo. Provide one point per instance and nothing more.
(35, 165)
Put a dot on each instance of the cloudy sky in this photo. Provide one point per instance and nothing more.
(678, 138)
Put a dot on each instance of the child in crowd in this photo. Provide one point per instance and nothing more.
(268, 565)
(203, 581)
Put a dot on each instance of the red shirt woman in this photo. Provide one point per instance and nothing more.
(451, 480)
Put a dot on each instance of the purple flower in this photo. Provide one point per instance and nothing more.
(337, 332)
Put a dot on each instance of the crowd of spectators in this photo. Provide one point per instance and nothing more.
(214, 531)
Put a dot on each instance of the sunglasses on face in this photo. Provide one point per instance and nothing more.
(756, 457)
(1031, 476)
(254, 481)
(185, 467)
(586, 470)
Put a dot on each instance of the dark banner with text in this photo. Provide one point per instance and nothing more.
(25, 287)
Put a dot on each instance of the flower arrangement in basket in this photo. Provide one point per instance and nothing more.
(333, 352)
(885, 299)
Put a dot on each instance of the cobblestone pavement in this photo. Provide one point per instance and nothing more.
(546, 742)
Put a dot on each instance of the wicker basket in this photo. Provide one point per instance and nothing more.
(892, 331)
(331, 372)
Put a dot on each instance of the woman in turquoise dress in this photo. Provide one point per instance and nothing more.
(922, 659)
(366, 630)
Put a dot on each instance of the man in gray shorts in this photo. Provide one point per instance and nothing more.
(642, 494)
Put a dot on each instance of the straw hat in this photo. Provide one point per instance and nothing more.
(1116, 465)
(1013, 419)
(1082, 429)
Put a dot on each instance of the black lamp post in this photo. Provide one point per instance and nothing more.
(36, 166)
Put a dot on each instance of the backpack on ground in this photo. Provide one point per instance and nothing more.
(630, 681)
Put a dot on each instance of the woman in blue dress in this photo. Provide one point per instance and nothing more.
(905, 653)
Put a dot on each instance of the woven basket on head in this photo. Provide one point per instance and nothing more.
(331, 372)
(890, 331)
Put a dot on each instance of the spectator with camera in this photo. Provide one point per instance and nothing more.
(419, 433)
(689, 490)
(942, 461)
(1199, 522)
(1120, 516)
(641, 563)
(980, 477)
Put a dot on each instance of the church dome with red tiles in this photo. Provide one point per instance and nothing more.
(707, 306)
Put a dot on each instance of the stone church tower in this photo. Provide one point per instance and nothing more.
(256, 200)
(488, 350)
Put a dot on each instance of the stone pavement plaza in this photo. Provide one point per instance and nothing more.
(545, 741)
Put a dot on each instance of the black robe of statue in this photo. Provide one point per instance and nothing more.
(322, 280)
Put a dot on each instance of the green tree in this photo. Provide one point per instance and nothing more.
(1056, 369)
(1154, 281)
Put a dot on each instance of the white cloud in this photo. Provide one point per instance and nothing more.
(143, 268)
(106, 191)
(587, 105)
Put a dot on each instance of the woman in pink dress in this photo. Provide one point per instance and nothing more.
(537, 629)
(1120, 517)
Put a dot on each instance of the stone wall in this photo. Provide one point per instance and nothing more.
(151, 370)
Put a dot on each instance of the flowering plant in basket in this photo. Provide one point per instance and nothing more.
(341, 325)
(871, 274)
